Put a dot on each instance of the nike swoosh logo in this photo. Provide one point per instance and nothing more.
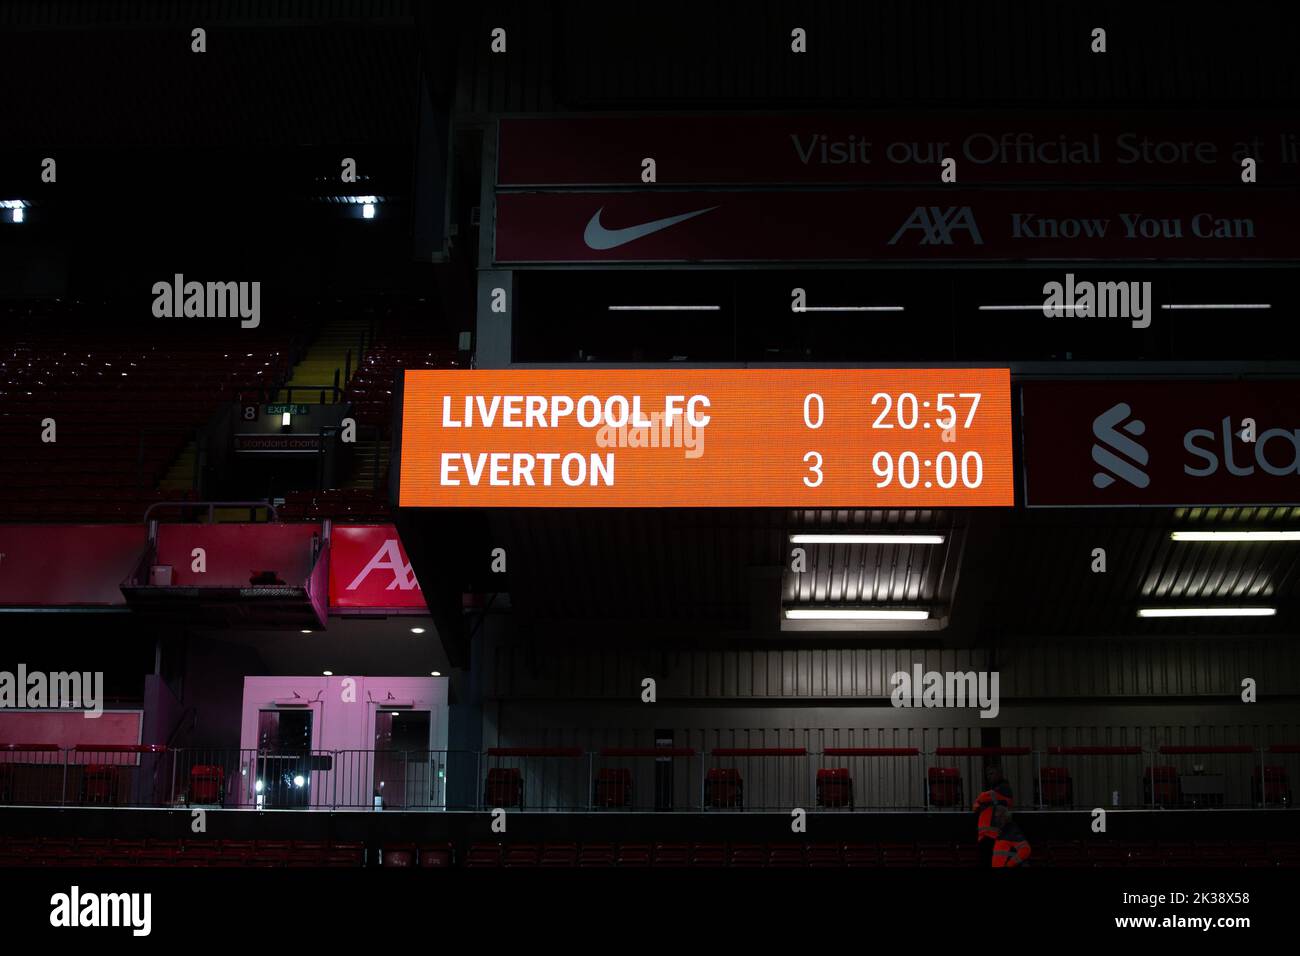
(597, 236)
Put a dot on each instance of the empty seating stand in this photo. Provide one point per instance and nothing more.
(58, 851)
(125, 402)
(106, 852)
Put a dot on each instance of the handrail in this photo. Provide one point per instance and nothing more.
(212, 506)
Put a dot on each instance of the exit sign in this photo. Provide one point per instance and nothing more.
(291, 409)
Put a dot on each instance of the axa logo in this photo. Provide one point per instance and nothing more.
(937, 225)
(389, 558)
(1110, 440)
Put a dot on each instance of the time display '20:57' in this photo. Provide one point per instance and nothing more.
(907, 411)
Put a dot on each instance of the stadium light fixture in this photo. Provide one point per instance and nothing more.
(435, 673)
(665, 308)
(417, 630)
(1210, 306)
(855, 614)
(1234, 536)
(866, 539)
(328, 673)
(1206, 611)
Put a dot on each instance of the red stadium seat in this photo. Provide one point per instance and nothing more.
(1270, 786)
(724, 788)
(207, 784)
(634, 855)
(613, 787)
(834, 787)
(1053, 787)
(504, 787)
(945, 787)
(403, 855)
(596, 855)
(436, 855)
(1160, 786)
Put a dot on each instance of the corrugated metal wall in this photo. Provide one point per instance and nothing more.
(1076, 669)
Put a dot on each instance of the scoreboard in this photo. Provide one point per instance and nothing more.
(707, 438)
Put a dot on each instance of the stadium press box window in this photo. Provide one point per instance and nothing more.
(716, 438)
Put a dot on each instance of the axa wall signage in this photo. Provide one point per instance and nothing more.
(953, 225)
(369, 569)
(1161, 443)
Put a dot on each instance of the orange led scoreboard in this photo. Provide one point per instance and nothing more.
(706, 438)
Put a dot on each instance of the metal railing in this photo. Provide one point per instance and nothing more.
(648, 779)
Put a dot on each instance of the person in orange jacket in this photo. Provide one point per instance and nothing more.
(997, 794)
(1011, 848)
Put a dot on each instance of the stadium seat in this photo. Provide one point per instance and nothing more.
(397, 855)
(484, 855)
(826, 855)
(522, 854)
(748, 855)
(613, 787)
(597, 855)
(560, 855)
(436, 855)
(723, 788)
(834, 787)
(1160, 786)
(945, 787)
(1269, 786)
(504, 787)
(99, 784)
(709, 854)
(786, 855)
(634, 854)
(672, 854)
(1053, 787)
(207, 784)
(861, 854)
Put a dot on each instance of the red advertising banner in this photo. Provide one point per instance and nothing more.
(1161, 443)
(67, 565)
(883, 148)
(1247, 223)
(370, 569)
(234, 553)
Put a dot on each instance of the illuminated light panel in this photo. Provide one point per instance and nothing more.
(665, 308)
(855, 614)
(866, 539)
(1207, 611)
(1234, 536)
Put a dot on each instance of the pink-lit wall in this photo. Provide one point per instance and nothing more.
(343, 720)
(70, 728)
(337, 723)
